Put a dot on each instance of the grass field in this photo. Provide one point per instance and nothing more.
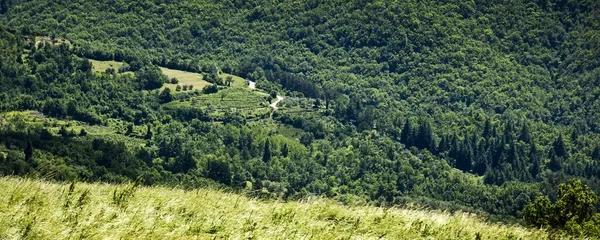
(33, 209)
(237, 81)
(101, 66)
(185, 78)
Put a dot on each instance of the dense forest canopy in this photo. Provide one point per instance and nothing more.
(479, 105)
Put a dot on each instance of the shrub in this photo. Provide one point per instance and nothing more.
(210, 89)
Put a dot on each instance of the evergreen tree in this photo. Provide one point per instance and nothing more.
(148, 132)
(284, 150)
(560, 148)
(525, 135)
(555, 163)
(535, 168)
(464, 158)
(28, 152)
(267, 151)
(487, 129)
(406, 134)
(82, 133)
(507, 137)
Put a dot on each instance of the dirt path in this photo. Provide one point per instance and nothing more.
(252, 85)
(274, 104)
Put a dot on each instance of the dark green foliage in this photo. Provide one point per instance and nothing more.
(148, 133)
(210, 89)
(267, 152)
(218, 170)
(28, 152)
(150, 77)
(165, 96)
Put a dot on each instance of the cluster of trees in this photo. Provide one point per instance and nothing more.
(574, 210)
(504, 91)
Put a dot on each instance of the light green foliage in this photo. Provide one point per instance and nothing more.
(42, 210)
(573, 211)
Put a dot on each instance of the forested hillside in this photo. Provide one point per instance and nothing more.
(474, 105)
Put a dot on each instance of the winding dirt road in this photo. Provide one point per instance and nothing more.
(252, 85)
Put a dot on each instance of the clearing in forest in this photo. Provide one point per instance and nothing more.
(185, 78)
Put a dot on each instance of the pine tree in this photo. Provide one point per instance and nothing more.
(406, 134)
(148, 132)
(487, 129)
(555, 163)
(28, 152)
(560, 148)
(507, 137)
(525, 133)
(267, 152)
(464, 160)
(284, 150)
(535, 168)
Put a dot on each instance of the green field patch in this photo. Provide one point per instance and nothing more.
(244, 101)
(237, 81)
(185, 78)
(101, 66)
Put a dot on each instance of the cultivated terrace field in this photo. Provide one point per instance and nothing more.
(483, 108)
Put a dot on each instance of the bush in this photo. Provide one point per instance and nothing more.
(210, 89)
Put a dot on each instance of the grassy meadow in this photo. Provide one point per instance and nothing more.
(34, 209)
(185, 78)
(101, 66)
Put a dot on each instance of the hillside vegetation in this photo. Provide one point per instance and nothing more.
(34, 209)
(479, 106)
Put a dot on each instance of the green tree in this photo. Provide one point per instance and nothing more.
(574, 206)
(166, 96)
(151, 77)
(575, 202)
(406, 134)
(267, 151)
(560, 148)
(28, 152)
(218, 170)
(148, 132)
